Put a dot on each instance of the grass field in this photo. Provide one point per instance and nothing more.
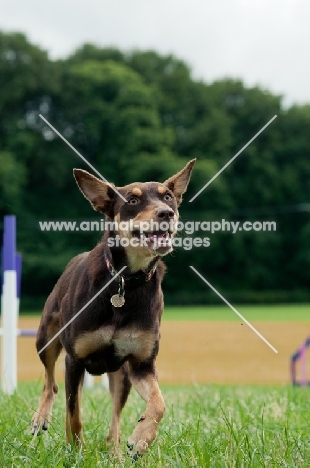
(204, 426)
(278, 313)
(271, 313)
(237, 425)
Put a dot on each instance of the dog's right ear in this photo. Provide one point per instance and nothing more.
(178, 183)
(97, 192)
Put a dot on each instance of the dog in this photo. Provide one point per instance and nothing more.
(105, 310)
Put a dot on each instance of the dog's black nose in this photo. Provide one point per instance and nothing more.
(165, 213)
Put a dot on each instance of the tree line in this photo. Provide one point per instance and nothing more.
(141, 116)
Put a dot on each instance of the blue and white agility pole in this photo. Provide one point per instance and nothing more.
(11, 285)
(9, 307)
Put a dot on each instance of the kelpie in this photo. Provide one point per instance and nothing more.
(118, 332)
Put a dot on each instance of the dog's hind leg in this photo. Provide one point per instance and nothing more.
(74, 385)
(49, 326)
(120, 386)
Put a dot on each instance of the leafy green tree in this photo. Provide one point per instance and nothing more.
(141, 116)
(12, 175)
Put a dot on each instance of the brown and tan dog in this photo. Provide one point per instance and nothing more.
(118, 332)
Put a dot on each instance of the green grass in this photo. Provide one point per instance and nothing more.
(204, 426)
(272, 313)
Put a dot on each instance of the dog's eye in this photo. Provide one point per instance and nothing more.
(133, 201)
(167, 196)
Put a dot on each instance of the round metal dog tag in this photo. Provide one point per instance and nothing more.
(117, 300)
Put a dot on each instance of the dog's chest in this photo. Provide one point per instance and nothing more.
(123, 343)
(127, 345)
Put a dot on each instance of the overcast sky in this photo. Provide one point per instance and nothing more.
(263, 42)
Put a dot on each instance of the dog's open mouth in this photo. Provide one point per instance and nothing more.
(156, 240)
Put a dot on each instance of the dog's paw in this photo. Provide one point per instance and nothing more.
(39, 424)
(136, 449)
(113, 446)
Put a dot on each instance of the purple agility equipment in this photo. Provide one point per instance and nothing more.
(301, 356)
(9, 306)
(11, 282)
(11, 261)
(29, 332)
(9, 243)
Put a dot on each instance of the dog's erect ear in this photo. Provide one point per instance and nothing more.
(179, 182)
(97, 192)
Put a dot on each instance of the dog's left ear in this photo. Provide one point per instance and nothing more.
(179, 182)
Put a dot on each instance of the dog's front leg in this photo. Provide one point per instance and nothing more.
(74, 385)
(120, 386)
(144, 378)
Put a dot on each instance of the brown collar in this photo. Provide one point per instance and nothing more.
(136, 279)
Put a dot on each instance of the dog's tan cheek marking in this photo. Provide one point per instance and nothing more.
(137, 191)
(121, 233)
(147, 214)
(89, 342)
(117, 218)
(139, 256)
